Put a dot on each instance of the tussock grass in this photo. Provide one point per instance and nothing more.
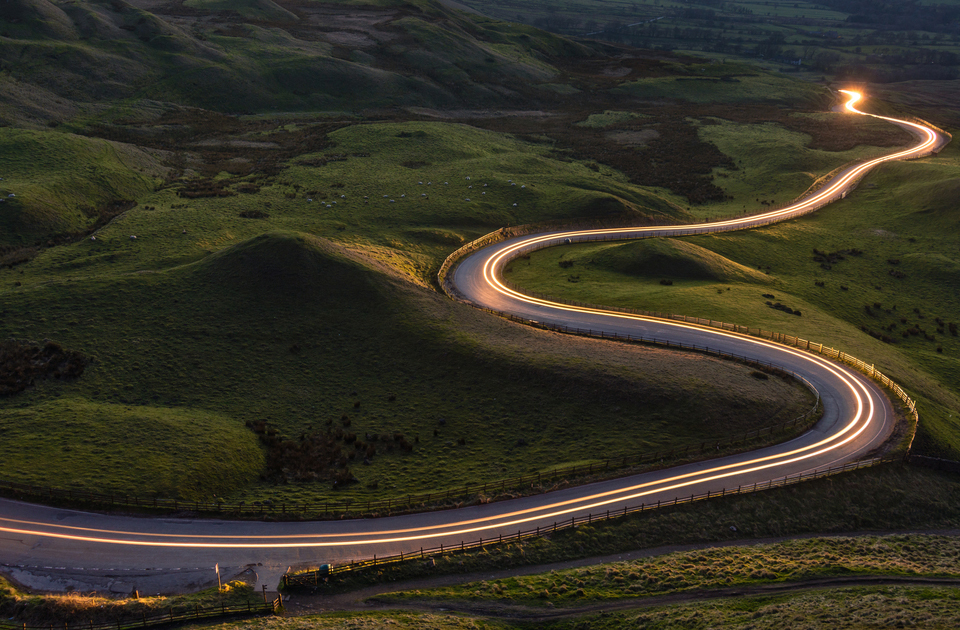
(878, 498)
(795, 560)
(41, 609)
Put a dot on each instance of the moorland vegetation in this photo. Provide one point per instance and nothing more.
(220, 227)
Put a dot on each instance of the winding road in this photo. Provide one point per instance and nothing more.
(56, 549)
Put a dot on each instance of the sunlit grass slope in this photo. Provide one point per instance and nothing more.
(61, 183)
(407, 193)
(716, 568)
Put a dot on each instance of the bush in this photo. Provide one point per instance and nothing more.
(23, 363)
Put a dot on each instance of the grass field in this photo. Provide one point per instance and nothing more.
(722, 567)
(891, 304)
(842, 608)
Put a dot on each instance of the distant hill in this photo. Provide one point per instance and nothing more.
(58, 58)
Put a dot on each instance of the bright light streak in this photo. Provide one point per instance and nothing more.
(864, 403)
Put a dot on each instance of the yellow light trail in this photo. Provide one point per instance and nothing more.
(861, 419)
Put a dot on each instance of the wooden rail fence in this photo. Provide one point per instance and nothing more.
(158, 618)
(314, 577)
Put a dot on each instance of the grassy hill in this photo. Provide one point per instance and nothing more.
(303, 341)
(66, 184)
(251, 56)
(238, 214)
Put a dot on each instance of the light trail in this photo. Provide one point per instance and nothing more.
(862, 417)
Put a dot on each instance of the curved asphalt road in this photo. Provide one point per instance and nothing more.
(53, 549)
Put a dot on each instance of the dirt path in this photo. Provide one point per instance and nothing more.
(365, 599)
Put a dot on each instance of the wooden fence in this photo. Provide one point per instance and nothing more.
(868, 369)
(155, 619)
(314, 577)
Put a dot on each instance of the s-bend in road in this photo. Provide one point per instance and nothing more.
(54, 548)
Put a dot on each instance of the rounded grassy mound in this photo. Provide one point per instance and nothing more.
(285, 264)
(130, 449)
(672, 258)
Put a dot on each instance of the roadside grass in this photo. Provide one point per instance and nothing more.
(41, 609)
(900, 287)
(889, 497)
(291, 330)
(844, 608)
(713, 568)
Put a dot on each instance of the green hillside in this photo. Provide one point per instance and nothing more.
(60, 60)
(339, 372)
(236, 211)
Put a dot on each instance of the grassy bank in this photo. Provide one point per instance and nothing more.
(889, 497)
(845, 608)
(791, 561)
